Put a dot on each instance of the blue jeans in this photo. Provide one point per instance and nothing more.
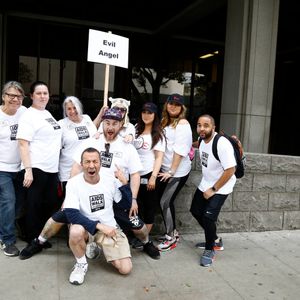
(7, 207)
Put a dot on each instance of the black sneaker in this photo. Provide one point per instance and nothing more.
(151, 250)
(10, 250)
(33, 248)
(137, 244)
(46, 245)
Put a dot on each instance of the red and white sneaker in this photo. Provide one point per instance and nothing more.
(168, 244)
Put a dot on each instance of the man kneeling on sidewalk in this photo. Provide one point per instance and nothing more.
(88, 207)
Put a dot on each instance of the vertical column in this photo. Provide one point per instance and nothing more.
(250, 53)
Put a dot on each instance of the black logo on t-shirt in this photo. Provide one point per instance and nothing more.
(53, 123)
(97, 202)
(204, 159)
(13, 130)
(106, 159)
(82, 132)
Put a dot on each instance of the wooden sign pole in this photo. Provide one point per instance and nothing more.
(106, 83)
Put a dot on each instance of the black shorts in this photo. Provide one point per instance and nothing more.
(126, 223)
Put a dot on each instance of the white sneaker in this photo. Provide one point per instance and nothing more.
(176, 234)
(92, 250)
(78, 273)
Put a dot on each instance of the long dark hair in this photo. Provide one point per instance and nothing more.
(156, 131)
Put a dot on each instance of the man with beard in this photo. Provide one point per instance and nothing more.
(217, 183)
(115, 153)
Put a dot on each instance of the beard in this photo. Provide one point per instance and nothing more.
(206, 135)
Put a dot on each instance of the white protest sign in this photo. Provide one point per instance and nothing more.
(107, 48)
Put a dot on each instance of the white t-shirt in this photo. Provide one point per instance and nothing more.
(10, 160)
(72, 135)
(179, 140)
(122, 154)
(213, 169)
(95, 201)
(44, 136)
(143, 144)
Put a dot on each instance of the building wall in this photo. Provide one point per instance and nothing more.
(266, 198)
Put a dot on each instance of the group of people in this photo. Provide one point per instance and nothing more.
(113, 176)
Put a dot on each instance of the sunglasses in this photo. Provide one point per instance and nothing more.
(122, 109)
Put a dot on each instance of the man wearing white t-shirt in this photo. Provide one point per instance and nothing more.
(88, 207)
(115, 152)
(217, 183)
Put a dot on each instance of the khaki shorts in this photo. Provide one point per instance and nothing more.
(114, 248)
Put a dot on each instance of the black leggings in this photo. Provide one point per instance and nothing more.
(41, 201)
(147, 201)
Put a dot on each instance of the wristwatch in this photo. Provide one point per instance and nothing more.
(171, 172)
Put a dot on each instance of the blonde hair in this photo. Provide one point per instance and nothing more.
(173, 122)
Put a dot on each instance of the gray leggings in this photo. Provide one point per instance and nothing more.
(168, 192)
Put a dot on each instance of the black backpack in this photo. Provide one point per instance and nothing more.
(238, 152)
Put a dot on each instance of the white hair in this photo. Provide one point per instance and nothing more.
(76, 102)
(120, 102)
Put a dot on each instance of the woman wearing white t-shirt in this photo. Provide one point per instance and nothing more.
(150, 144)
(176, 164)
(76, 127)
(39, 137)
(10, 162)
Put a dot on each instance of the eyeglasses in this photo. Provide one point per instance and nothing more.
(122, 109)
(107, 146)
(13, 96)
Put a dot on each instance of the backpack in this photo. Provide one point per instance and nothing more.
(238, 152)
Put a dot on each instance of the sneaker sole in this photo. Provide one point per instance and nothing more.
(138, 247)
(216, 248)
(11, 254)
(76, 283)
(173, 246)
(208, 265)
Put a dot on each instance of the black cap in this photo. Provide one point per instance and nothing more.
(150, 106)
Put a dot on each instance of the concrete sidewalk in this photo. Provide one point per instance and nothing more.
(256, 265)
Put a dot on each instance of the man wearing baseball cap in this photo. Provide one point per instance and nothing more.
(115, 154)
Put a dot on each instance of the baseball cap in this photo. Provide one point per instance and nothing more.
(150, 106)
(113, 114)
(176, 98)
